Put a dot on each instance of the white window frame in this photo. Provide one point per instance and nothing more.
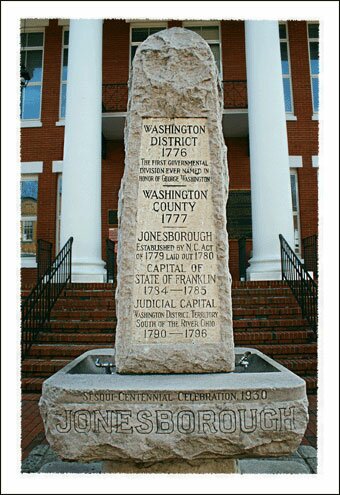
(62, 81)
(187, 24)
(313, 76)
(35, 122)
(28, 261)
(28, 222)
(289, 75)
(297, 247)
(58, 213)
(145, 24)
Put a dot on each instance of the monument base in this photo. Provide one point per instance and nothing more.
(199, 466)
(92, 413)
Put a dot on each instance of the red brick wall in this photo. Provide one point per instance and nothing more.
(303, 133)
(116, 51)
(28, 277)
(112, 173)
(233, 50)
(46, 143)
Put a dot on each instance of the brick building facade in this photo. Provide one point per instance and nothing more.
(45, 45)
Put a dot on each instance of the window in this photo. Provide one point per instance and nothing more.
(140, 33)
(211, 34)
(29, 202)
(296, 210)
(285, 65)
(27, 230)
(63, 84)
(313, 45)
(31, 56)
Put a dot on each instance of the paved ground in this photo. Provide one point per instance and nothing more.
(36, 452)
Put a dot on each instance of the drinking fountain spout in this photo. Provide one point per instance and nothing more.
(244, 361)
(107, 366)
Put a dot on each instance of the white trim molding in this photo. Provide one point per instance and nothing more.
(63, 22)
(31, 123)
(57, 166)
(295, 161)
(60, 123)
(290, 116)
(315, 161)
(315, 116)
(34, 23)
(28, 262)
(32, 167)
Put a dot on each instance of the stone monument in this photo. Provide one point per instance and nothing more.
(169, 398)
(174, 287)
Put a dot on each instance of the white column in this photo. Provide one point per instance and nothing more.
(81, 188)
(269, 160)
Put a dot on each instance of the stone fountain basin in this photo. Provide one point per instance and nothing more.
(87, 366)
(261, 410)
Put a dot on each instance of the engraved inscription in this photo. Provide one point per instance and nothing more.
(175, 295)
(185, 421)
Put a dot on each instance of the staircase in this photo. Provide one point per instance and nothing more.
(83, 318)
(265, 316)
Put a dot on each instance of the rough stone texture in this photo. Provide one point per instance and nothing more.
(174, 77)
(153, 418)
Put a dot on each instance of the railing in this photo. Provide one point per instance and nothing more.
(115, 96)
(36, 309)
(235, 94)
(310, 254)
(110, 260)
(300, 282)
(44, 257)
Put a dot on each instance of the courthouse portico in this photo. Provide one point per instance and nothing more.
(269, 160)
(263, 135)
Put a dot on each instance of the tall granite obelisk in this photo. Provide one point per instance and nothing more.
(173, 296)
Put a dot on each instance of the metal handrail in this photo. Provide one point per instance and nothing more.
(110, 260)
(300, 282)
(36, 308)
(310, 254)
(44, 257)
(115, 95)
